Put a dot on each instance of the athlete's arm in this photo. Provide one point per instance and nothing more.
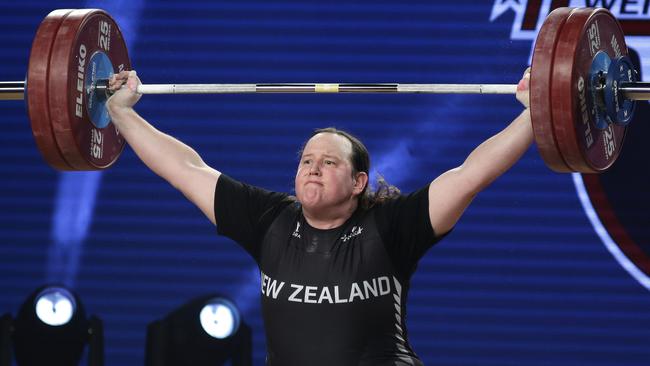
(166, 156)
(454, 190)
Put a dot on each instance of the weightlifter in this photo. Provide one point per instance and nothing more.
(335, 259)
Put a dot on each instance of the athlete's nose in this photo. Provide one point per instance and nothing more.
(314, 169)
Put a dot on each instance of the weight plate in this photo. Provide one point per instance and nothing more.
(81, 37)
(540, 89)
(585, 148)
(36, 93)
(619, 109)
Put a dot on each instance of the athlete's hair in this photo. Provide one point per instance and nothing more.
(360, 159)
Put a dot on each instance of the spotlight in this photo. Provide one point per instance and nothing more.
(55, 306)
(205, 331)
(219, 318)
(51, 328)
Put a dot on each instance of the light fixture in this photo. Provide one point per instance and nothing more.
(51, 328)
(55, 306)
(205, 331)
(219, 318)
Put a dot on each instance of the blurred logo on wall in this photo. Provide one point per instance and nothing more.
(617, 202)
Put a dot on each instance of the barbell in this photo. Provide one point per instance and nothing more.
(583, 89)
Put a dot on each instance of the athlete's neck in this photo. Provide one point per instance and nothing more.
(330, 217)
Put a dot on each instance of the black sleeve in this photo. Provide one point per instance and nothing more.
(405, 229)
(243, 212)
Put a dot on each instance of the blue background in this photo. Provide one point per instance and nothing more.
(522, 280)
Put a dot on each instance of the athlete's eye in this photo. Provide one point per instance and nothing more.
(306, 161)
(330, 162)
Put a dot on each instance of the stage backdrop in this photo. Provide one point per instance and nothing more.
(523, 279)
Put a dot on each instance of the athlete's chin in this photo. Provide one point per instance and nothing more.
(310, 193)
(311, 202)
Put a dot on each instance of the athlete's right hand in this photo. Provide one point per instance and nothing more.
(124, 85)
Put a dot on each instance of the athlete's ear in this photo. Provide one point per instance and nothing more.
(360, 181)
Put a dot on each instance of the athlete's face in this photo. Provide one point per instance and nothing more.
(324, 178)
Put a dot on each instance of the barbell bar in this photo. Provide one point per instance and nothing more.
(14, 90)
(583, 89)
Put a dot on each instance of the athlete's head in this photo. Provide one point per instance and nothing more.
(333, 169)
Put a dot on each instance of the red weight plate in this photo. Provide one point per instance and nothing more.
(584, 147)
(540, 89)
(37, 101)
(81, 35)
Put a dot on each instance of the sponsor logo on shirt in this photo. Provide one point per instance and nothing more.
(356, 230)
(296, 233)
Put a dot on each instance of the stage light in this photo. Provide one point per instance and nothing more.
(219, 318)
(205, 331)
(55, 306)
(51, 328)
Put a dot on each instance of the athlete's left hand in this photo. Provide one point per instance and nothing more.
(523, 89)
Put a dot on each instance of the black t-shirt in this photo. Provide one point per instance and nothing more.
(336, 296)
